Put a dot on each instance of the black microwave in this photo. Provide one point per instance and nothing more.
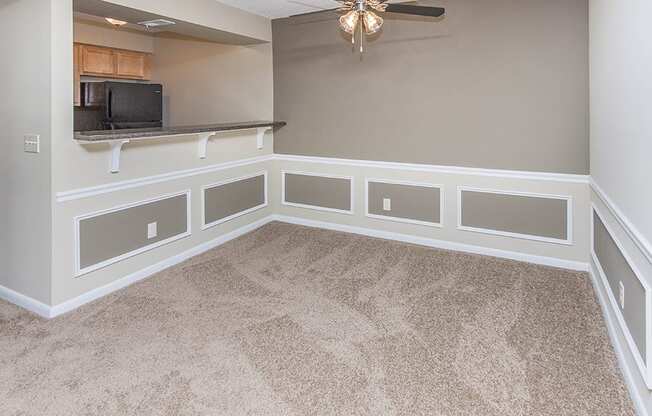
(125, 105)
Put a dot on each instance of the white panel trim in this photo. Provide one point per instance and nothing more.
(79, 271)
(317, 207)
(88, 192)
(205, 188)
(456, 170)
(439, 224)
(569, 215)
(25, 302)
(646, 370)
(619, 347)
(637, 237)
(70, 305)
(445, 245)
(92, 191)
(151, 270)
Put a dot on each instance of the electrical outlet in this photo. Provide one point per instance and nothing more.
(152, 230)
(621, 295)
(32, 143)
(387, 204)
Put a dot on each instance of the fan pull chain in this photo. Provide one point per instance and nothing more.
(361, 37)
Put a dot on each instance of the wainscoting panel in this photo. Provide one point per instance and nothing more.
(108, 236)
(232, 198)
(410, 202)
(516, 214)
(318, 191)
(615, 268)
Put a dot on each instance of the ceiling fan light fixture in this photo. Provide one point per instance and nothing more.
(115, 22)
(349, 21)
(372, 22)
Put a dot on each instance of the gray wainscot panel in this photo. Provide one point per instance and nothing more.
(318, 191)
(226, 201)
(408, 202)
(520, 215)
(114, 234)
(617, 269)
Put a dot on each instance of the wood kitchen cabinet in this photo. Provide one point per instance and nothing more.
(96, 61)
(99, 61)
(134, 65)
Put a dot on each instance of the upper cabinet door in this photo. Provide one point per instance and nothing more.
(97, 61)
(133, 65)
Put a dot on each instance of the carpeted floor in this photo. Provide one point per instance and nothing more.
(290, 320)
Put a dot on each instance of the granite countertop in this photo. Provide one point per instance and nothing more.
(129, 134)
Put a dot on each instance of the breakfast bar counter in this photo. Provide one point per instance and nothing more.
(96, 136)
(116, 139)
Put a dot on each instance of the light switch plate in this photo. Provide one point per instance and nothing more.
(152, 230)
(32, 143)
(387, 204)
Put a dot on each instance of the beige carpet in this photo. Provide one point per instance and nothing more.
(290, 320)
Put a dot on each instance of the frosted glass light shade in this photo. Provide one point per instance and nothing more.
(349, 21)
(372, 22)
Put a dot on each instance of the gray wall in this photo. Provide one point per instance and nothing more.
(621, 91)
(410, 202)
(617, 269)
(333, 193)
(111, 235)
(496, 84)
(25, 210)
(229, 199)
(541, 217)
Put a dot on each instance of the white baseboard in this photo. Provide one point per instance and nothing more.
(25, 302)
(54, 311)
(153, 269)
(629, 371)
(446, 245)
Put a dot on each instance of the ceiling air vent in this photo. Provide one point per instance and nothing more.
(149, 24)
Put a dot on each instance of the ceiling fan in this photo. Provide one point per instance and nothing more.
(361, 15)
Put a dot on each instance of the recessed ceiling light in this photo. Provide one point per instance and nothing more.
(115, 22)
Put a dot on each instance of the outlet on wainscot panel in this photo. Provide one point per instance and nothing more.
(621, 294)
(387, 204)
(152, 230)
(32, 143)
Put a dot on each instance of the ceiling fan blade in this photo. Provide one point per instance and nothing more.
(318, 12)
(416, 10)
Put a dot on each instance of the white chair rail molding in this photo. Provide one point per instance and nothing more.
(342, 207)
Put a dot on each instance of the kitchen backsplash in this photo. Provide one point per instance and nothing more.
(88, 119)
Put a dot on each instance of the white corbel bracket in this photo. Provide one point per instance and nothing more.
(203, 142)
(116, 150)
(260, 136)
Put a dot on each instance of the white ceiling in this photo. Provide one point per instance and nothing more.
(281, 8)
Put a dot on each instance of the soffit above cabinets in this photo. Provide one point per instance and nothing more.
(101, 8)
